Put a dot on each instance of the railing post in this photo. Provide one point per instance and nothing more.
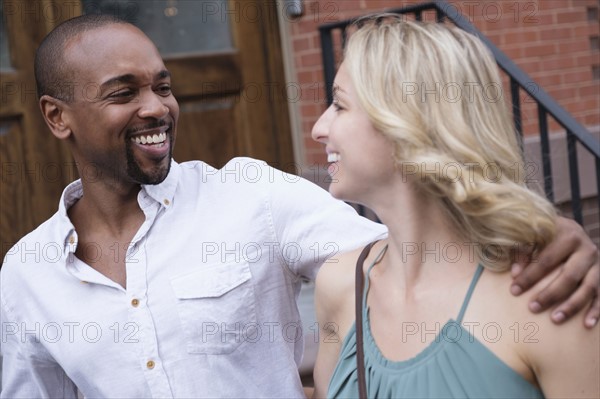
(574, 177)
(547, 168)
(439, 15)
(516, 111)
(328, 62)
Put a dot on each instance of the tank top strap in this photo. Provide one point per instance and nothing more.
(463, 308)
(375, 261)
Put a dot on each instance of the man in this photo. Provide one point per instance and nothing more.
(170, 280)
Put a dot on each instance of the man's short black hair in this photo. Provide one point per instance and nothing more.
(51, 72)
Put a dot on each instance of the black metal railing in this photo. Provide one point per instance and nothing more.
(518, 80)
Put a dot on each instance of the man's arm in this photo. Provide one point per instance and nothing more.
(307, 217)
(578, 283)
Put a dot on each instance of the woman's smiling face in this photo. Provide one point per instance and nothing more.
(361, 158)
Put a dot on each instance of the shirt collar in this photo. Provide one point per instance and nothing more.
(162, 193)
(70, 195)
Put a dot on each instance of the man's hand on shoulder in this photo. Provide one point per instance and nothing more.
(575, 287)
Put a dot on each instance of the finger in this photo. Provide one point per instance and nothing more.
(586, 293)
(574, 304)
(566, 242)
(560, 289)
(579, 268)
(593, 314)
(521, 257)
(539, 267)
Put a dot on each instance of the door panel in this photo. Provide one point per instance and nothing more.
(216, 146)
(207, 87)
(14, 195)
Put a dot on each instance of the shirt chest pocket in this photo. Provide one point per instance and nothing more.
(216, 307)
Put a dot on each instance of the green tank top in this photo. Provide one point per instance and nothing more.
(454, 365)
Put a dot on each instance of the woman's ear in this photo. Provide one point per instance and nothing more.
(53, 111)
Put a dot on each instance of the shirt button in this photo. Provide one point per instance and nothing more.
(135, 302)
(71, 240)
(166, 201)
(150, 364)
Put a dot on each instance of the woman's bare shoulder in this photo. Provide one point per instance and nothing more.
(530, 343)
(334, 293)
(336, 279)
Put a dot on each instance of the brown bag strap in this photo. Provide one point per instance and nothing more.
(360, 354)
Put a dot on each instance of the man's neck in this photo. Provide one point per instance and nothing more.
(106, 208)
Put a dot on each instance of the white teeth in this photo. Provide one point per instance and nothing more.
(154, 139)
(333, 157)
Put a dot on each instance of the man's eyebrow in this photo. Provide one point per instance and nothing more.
(130, 78)
(163, 74)
(127, 78)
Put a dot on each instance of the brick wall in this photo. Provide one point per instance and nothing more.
(554, 41)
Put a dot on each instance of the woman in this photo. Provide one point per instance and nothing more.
(416, 133)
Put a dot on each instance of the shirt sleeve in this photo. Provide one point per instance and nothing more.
(25, 373)
(312, 226)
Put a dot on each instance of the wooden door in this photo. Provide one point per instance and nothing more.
(34, 166)
(231, 95)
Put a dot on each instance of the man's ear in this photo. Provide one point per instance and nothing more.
(53, 111)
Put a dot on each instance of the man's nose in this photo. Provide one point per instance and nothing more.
(152, 106)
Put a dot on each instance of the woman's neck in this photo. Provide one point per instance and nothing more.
(423, 243)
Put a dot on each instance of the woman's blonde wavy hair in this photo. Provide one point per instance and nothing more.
(435, 91)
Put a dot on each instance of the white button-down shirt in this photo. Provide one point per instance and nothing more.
(210, 305)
